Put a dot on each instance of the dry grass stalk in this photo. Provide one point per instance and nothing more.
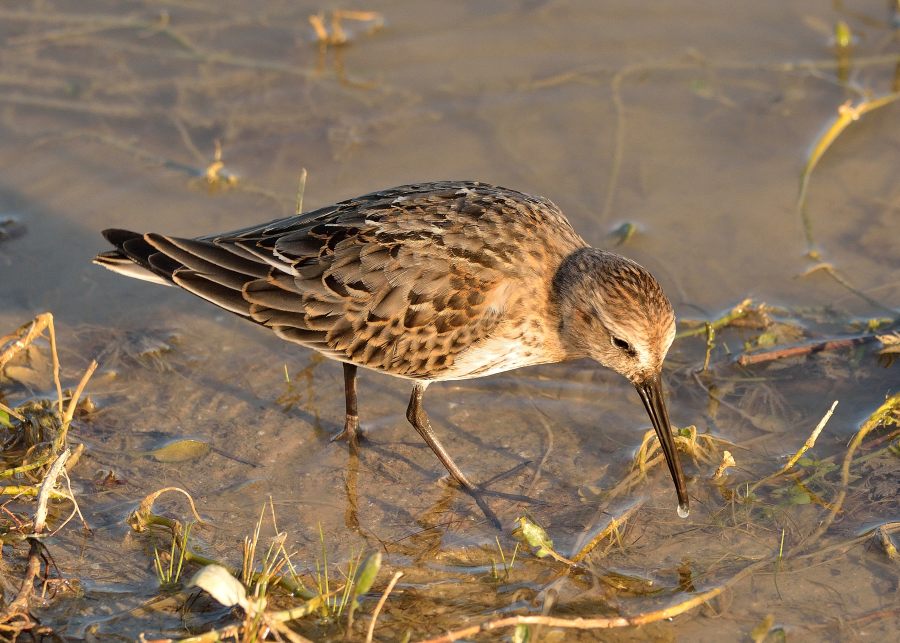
(17, 610)
(611, 531)
(381, 601)
(54, 455)
(810, 443)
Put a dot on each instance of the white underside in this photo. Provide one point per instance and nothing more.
(492, 356)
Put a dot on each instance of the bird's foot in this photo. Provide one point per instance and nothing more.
(351, 433)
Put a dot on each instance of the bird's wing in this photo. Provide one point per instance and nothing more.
(401, 280)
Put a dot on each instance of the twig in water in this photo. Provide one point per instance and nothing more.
(738, 312)
(723, 402)
(710, 344)
(23, 336)
(619, 148)
(66, 418)
(604, 623)
(12, 412)
(834, 274)
(611, 529)
(810, 442)
(749, 359)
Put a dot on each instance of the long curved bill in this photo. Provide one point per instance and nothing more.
(651, 394)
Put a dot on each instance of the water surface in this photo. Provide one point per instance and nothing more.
(695, 118)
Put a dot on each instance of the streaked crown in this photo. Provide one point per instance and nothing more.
(612, 310)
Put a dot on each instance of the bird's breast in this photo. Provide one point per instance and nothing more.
(513, 346)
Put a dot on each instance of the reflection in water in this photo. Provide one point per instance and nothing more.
(351, 476)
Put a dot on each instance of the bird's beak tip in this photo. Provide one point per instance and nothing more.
(651, 392)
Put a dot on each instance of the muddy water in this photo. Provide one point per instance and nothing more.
(696, 119)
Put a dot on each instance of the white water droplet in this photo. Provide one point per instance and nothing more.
(683, 511)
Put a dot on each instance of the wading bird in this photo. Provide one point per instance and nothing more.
(429, 282)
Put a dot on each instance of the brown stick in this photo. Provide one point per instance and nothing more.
(23, 336)
(748, 359)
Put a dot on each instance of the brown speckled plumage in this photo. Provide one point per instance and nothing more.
(431, 281)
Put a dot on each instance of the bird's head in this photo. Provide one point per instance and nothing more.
(612, 310)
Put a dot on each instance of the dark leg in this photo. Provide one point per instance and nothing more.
(351, 431)
(416, 415)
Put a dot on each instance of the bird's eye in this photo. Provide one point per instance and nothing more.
(621, 343)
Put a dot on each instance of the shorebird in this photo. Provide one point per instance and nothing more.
(429, 282)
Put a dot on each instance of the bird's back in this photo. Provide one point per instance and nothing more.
(409, 280)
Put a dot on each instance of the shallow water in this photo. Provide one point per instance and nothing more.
(701, 118)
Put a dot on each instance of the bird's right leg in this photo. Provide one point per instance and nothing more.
(351, 432)
(416, 415)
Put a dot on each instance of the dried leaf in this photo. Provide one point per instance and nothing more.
(180, 451)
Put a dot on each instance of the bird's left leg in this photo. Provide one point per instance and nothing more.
(351, 432)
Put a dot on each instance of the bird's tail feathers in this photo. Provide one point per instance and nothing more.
(131, 257)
